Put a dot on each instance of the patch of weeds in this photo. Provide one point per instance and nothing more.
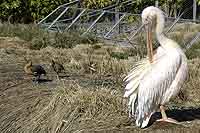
(119, 55)
(29, 32)
(193, 52)
(96, 47)
(88, 39)
(65, 40)
(131, 52)
(40, 38)
(39, 43)
(71, 39)
(25, 32)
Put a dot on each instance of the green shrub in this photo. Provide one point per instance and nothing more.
(64, 40)
(39, 43)
(88, 39)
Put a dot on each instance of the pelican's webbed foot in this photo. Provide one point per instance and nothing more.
(165, 118)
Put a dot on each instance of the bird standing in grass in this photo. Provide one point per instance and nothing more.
(35, 70)
(57, 67)
(153, 81)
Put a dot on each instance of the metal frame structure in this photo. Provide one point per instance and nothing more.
(62, 25)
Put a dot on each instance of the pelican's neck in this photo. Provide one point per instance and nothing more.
(162, 39)
(160, 22)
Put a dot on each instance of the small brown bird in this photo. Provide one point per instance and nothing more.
(57, 67)
(35, 70)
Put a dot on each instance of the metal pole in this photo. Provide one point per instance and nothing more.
(58, 17)
(136, 32)
(156, 3)
(117, 16)
(92, 25)
(57, 9)
(194, 10)
(175, 22)
(48, 15)
(186, 10)
(193, 41)
(58, 28)
(114, 26)
(76, 19)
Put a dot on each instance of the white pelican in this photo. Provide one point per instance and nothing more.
(153, 81)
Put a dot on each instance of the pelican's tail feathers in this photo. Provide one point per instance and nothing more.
(132, 104)
(142, 120)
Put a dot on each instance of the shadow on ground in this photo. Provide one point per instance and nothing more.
(44, 80)
(181, 115)
(186, 117)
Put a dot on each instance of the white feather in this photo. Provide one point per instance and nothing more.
(131, 103)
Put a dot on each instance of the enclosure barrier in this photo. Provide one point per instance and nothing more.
(104, 23)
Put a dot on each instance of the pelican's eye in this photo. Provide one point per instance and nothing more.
(148, 20)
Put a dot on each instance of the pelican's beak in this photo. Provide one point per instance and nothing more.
(149, 41)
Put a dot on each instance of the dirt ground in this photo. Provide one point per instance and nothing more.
(21, 100)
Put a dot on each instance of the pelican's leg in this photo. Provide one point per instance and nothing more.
(164, 116)
(162, 111)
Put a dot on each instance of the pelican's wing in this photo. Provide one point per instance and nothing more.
(134, 77)
(154, 85)
(138, 70)
(176, 85)
(133, 81)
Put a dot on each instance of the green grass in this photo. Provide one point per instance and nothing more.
(39, 38)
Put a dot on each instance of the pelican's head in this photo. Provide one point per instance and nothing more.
(150, 17)
(150, 13)
(153, 19)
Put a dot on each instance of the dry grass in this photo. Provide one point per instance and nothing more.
(70, 107)
(73, 108)
(187, 27)
(90, 99)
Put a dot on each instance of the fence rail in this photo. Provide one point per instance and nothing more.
(102, 22)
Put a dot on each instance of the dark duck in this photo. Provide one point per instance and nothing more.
(35, 70)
